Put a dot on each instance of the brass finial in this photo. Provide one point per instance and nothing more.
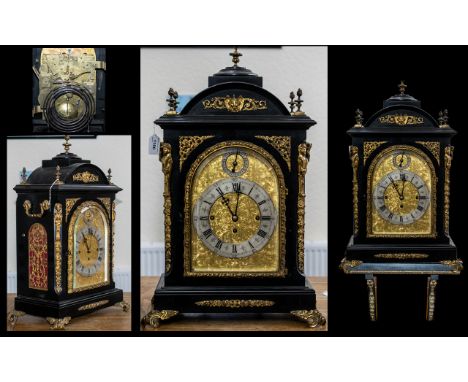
(292, 103)
(235, 56)
(443, 119)
(66, 145)
(57, 175)
(402, 86)
(296, 103)
(172, 102)
(359, 119)
(299, 101)
(109, 175)
(24, 177)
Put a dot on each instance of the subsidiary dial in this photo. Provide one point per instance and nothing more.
(234, 217)
(235, 162)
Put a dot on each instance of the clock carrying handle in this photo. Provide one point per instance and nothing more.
(45, 206)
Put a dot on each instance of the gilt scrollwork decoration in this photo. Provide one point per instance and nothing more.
(448, 164)
(166, 160)
(58, 247)
(401, 119)
(433, 147)
(302, 162)
(235, 304)
(281, 143)
(234, 104)
(85, 177)
(189, 143)
(354, 156)
(370, 147)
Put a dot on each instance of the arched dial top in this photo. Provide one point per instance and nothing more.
(234, 213)
(235, 217)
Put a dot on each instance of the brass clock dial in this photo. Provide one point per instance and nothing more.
(234, 217)
(401, 202)
(234, 196)
(89, 248)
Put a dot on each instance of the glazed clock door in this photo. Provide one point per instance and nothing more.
(401, 194)
(235, 213)
(89, 248)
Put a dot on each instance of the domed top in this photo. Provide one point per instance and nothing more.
(235, 73)
(402, 99)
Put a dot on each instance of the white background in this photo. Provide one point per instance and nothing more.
(187, 70)
(105, 152)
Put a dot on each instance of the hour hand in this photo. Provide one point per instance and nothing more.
(225, 200)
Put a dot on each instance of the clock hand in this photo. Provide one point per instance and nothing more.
(234, 164)
(401, 161)
(86, 242)
(395, 187)
(237, 202)
(226, 202)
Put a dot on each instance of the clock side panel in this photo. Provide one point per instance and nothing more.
(34, 246)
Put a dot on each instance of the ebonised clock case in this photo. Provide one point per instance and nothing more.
(179, 292)
(39, 187)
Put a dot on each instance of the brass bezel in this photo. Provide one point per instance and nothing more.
(433, 205)
(282, 271)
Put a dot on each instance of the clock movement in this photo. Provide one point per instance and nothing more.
(234, 162)
(65, 214)
(401, 159)
(68, 90)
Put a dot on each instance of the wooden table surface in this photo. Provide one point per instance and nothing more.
(112, 318)
(234, 322)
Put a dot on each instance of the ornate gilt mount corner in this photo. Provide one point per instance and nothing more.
(347, 265)
(313, 318)
(12, 318)
(457, 265)
(58, 323)
(124, 305)
(154, 317)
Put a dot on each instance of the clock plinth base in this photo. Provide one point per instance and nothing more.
(67, 308)
(169, 301)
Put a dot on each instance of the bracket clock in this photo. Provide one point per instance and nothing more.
(65, 214)
(68, 90)
(401, 159)
(234, 161)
